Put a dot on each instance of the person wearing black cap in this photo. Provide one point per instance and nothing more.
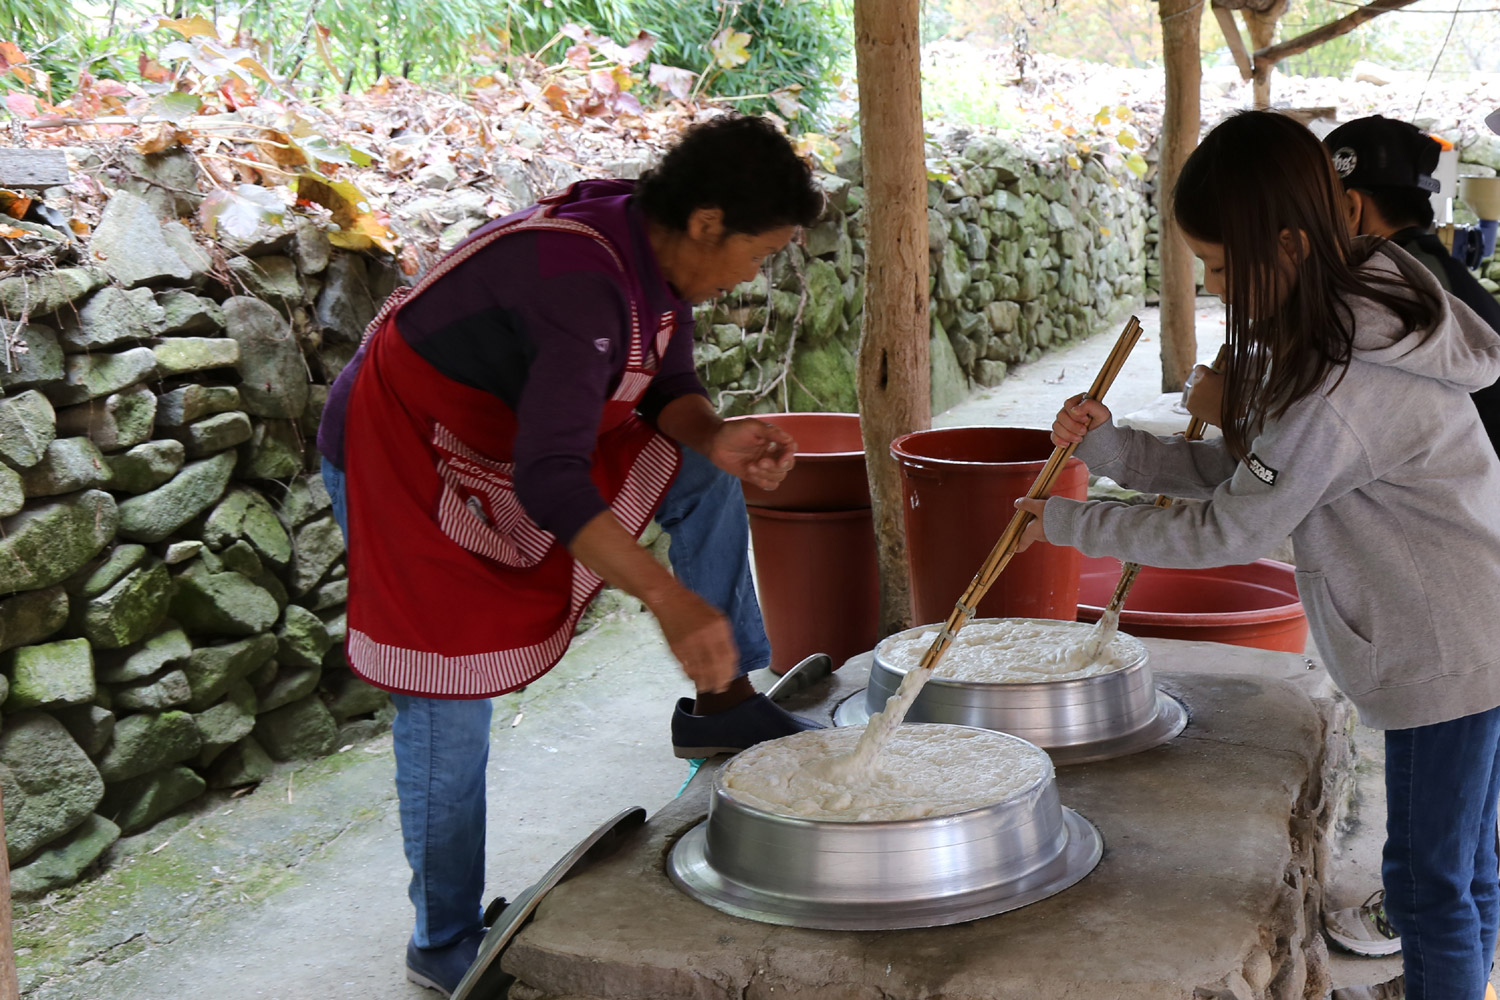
(1387, 168)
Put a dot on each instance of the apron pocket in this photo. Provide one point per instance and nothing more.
(478, 508)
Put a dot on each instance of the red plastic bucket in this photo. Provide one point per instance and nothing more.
(1250, 605)
(818, 583)
(830, 469)
(959, 485)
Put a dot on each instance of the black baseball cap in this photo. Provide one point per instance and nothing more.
(1378, 152)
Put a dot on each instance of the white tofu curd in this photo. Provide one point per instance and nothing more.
(923, 770)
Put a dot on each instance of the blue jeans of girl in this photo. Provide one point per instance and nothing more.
(1441, 889)
(442, 744)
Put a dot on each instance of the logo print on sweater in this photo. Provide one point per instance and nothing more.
(1260, 470)
(602, 344)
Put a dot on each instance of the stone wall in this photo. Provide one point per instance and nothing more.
(171, 580)
(1026, 252)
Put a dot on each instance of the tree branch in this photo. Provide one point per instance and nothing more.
(1273, 54)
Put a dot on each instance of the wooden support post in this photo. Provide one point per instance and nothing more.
(1262, 25)
(1180, 25)
(9, 984)
(894, 384)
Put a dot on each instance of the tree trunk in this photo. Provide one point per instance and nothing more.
(894, 383)
(1262, 25)
(1180, 21)
(9, 985)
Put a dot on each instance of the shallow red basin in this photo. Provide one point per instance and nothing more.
(830, 469)
(1251, 605)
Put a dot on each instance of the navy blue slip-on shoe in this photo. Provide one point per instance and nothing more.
(442, 969)
(752, 721)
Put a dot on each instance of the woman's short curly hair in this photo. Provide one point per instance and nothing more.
(739, 164)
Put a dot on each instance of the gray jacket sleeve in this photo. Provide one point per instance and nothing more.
(1139, 460)
(1305, 459)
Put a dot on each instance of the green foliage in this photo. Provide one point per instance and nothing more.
(800, 44)
(37, 20)
(532, 25)
(766, 55)
(351, 44)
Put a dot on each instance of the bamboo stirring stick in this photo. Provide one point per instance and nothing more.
(880, 728)
(1109, 622)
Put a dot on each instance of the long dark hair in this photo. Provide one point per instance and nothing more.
(1259, 174)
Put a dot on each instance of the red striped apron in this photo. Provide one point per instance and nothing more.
(454, 592)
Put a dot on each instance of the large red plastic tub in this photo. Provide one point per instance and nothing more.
(1250, 605)
(960, 485)
(818, 583)
(830, 469)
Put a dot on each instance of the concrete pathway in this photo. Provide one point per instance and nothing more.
(297, 890)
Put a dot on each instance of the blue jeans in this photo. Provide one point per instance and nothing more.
(1442, 893)
(442, 744)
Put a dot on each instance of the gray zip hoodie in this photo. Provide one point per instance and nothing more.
(1391, 493)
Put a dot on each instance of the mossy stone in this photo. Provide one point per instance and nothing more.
(211, 670)
(297, 731)
(28, 618)
(302, 638)
(65, 859)
(289, 684)
(166, 648)
(348, 695)
(49, 784)
(316, 546)
(220, 727)
(129, 611)
(170, 690)
(246, 514)
(140, 802)
(148, 742)
(50, 675)
(151, 517)
(245, 763)
(146, 466)
(223, 603)
(28, 424)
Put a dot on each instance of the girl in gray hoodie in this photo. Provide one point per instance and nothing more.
(1347, 424)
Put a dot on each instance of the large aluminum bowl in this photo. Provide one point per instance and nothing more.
(1075, 721)
(884, 875)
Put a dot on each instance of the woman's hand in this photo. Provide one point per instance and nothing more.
(1033, 532)
(700, 638)
(1077, 417)
(1204, 397)
(757, 452)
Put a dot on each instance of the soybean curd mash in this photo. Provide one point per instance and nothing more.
(924, 770)
(1016, 651)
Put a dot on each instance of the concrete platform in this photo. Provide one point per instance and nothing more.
(1209, 887)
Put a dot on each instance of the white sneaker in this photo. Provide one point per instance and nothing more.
(1363, 929)
(1394, 989)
